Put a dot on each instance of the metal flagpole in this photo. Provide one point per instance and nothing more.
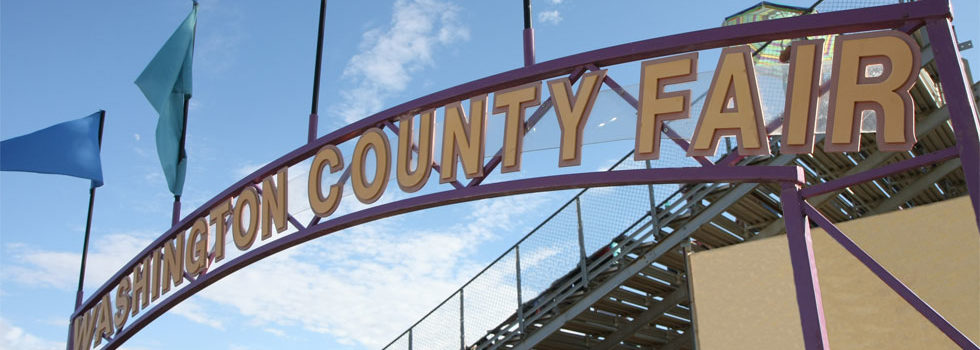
(182, 154)
(311, 132)
(88, 223)
(528, 35)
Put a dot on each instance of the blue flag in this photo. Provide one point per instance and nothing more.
(166, 83)
(70, 148)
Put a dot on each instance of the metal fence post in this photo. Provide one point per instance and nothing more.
(462, 333)
(655, 220)
(410, 338)
(688, 250)
(520, 300)
(581, 243)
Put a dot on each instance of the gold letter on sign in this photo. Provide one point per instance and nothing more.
(122, 302)
(372, 139)
(464, 139)
(103, 327)
(408, 180)
(83, 327)
(219, 213)
(512, 102)
(801, 97)
(245, 236)
(657, 106)
(327, 155)
(887, 93)
(141, 284)
(731, 108)
(573, 112)
(173, 262)
(274, 203)
(196, 257)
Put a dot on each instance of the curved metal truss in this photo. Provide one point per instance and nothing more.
(934, 15)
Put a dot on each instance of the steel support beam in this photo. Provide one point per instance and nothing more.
(808, 297)
(643, 319)
(880, 172)
(923, 127)
(665, 246)
(916, 187)
(959, 99)
(680, 341)
(893, 282)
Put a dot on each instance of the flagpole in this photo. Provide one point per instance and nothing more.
(182, 154)
(528, 35)
(88, 223)
(311, 132)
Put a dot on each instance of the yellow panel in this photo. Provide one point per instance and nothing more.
(744, 298)
(744, 295)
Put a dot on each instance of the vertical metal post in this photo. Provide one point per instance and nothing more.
(181, 154)
(654, 219)
(311, 131)
(410, 338)
(528, 35)
(88, 223)
(70, 344)
(581, 243)
(690, 294)
(808, 297)
(520, 299)
(175, 215)
(462, 333)
(959, 100)
(88, 231)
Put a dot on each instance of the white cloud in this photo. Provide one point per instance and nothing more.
(193, 311)
(367, 284)
(552, 17)
(388, 57)
(557, 2)
(276, 332)
(36, 267)
(154, 177)
(54, 269)
(217, 46)
(536, 257)
(133, 348)
(362, 286)
(247, 169)
(194, 105)
(14, 337)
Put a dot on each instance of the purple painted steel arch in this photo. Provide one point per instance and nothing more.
(786, 174)
(885, 17)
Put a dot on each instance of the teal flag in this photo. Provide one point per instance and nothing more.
(70, 148)
(166, 83)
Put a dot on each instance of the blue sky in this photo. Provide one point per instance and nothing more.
(62, 60)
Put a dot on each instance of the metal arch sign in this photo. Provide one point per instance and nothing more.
(179, 263)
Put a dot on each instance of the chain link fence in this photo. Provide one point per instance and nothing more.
(587, 234)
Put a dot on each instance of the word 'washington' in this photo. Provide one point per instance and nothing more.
(732, 108)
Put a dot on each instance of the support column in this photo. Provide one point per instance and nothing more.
(804, 269)
(959, 101)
